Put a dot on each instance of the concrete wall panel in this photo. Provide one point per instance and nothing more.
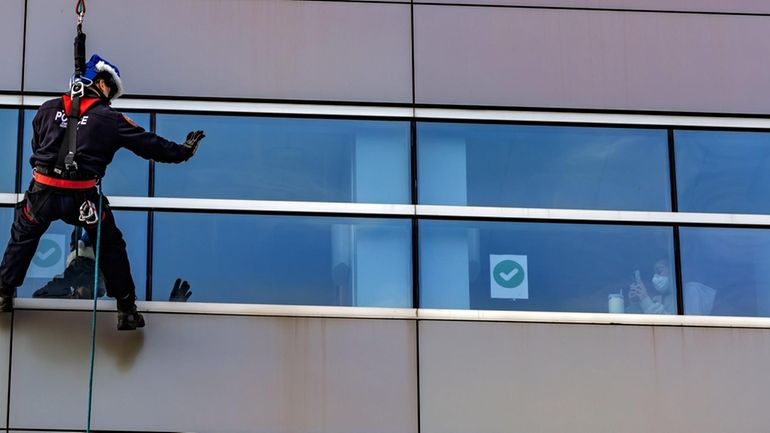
(5, 352)
(11, 44)
(266, 49)
(487, 377)
(592, 60)
(216, 374)
(722, 6)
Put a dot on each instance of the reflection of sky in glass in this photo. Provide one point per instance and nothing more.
(127, 175)
(571, 267)
(723, 171)
(132, 224)
(9, 120)
(289, 159)
(285, 260)
(544, 166)
(732, 264)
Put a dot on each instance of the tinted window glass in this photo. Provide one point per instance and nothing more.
(725, 272)
(6, 219)
(289, 159)
(543, 167)
(51, 257)
(544, 266)
(127, 175)
(723, 171)
(9, 121)
(284, 260)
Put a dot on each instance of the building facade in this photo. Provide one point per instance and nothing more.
(471, 216)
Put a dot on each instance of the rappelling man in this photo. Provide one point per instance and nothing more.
(68, 163)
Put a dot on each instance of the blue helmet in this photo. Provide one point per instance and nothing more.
(99, 66)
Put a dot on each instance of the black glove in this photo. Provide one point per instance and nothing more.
(193, 138)
(181, 291)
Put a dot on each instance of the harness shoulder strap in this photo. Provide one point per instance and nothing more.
(74, 108)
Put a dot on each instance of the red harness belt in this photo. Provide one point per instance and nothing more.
(63, 183)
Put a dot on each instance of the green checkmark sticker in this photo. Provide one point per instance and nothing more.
(508, 274)
(48, 253)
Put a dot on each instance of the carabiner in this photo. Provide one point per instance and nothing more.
(78, 89)
(88, 213)
(80, 11)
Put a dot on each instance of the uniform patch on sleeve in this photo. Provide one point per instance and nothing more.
(130, 121)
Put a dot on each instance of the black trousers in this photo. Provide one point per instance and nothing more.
(51, 204)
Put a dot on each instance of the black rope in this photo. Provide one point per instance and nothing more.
(80, 39)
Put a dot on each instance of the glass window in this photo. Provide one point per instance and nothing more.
(546, 267)
(51, 258)
(265, 158)
(284, 260)
(725, 272)
(6, 220)
(543, 166)
(720, 171)
(9, 121)
(127, 175)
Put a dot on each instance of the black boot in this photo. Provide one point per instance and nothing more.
(6, 303)
(128, 318)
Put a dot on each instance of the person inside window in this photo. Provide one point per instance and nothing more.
(661, 298)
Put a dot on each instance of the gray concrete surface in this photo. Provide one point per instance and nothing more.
(215, 374)
(488, 377)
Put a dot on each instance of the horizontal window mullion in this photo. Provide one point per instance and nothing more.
(11, 100)
(463, 114)
(591, 118)
(433, 211)
(513, 214)
(236, 107)
(609, 216)
(10, 198)
(164, 203)
(208, 308)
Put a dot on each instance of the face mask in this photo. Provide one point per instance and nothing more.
(660, 282)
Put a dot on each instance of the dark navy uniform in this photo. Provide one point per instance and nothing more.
(101, 132)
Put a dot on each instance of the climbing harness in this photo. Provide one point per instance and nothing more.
(61, 183)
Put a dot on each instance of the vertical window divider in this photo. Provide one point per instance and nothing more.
(675, 208)
(150, 215)
(672, 171)
(19, 150)
(678, 273)
(415, 222)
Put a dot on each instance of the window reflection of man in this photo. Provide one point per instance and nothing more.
(77, 281)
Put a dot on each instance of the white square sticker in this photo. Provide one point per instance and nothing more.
(508, 276)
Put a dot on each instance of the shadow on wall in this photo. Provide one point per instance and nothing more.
(122, 347)
(73, 352)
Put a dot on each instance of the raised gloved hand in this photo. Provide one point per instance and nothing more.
(193, 138)
(180, 292)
